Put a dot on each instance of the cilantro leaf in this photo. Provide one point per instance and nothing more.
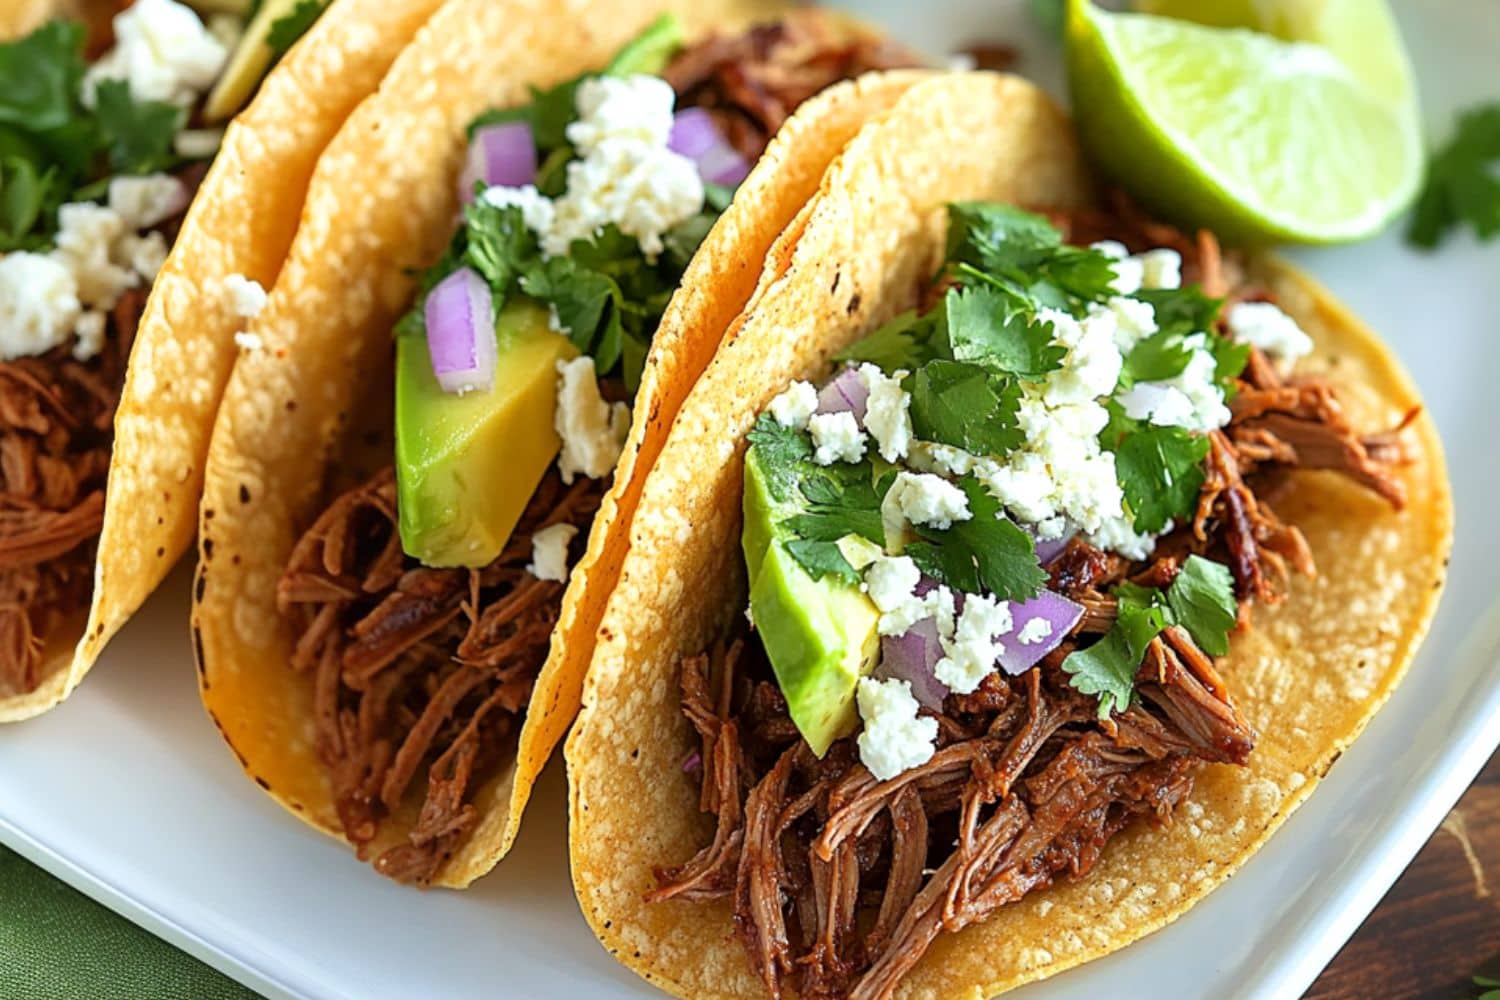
(1160, 356)
(1462, 185)
(137, 134)
(987, 552)
(782, 451)
(1108, 667)
(40, 75)
(25, 195)
(651, 50)
(964, 405)
(1202, 601)
(497, 244)
(1023, 255)
(983, 326)
(1159, 470)
(1182, 310)
(904, 342)
(822, 559)
(289, 27)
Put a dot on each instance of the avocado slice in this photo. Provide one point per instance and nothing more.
(247, 63)
(466, 466)
(820, 635)
(651, 50)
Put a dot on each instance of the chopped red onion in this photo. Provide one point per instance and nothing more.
(692, 763)
(1050, 548)
(696, 135)
(460, 317)
(911, 657)
(846, 392)
(1057, 611)
(498, 154)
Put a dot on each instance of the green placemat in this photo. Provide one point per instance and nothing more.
(57, 944)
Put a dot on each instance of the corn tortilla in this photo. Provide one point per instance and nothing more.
(1308, 676)
(242, 222)
(310, 410)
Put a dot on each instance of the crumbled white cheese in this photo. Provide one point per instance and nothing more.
(836, 437)
(1118, 534)
(1135, 320)
(90, 332)
(891, 583)
(144, 254)
(536, 208)
(970, 655)
(1129, 273)
(592, 431)
(549, 552)
(248, 341)
(1091, 367)
(1191, 399)
(87, 235)
(887, 412)
(1034, 631)
(1161, 269)
(644, 190)
(794, 405)
(1263, 325)
(1113, 249)
(162, 51)
(925, 499)
(38, 304)
(246, 296)
(197, 143)
(634, 108)
(941, 459)
(147, 201)
(895, 737)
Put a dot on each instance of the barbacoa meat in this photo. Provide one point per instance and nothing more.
(420, 675)
(754, 80)
(56, 431)
(839, 882)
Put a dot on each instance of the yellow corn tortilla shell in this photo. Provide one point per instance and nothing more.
(298, 413)
(241, 222)
(20, 17)
(1307, 678)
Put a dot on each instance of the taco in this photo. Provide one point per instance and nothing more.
(392, 634)
(99, 162)
(1076, 549)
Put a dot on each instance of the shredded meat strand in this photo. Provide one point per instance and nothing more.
(419, 674)
(754, 80)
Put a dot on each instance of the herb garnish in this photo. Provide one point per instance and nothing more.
(289, 27)
(1200, 599)
(987, 552)
(1462, 184)
(51, 145)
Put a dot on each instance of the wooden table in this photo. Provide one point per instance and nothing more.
(1440, 923)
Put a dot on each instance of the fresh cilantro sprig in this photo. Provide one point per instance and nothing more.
(51, 146)
(1463, 182)
(1160, 469)
(1200, 599)
(1490, 985)
(987, 552)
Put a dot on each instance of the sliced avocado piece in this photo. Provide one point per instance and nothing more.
(247, 63)
(820, 635)
(466, 466)
(650, 51)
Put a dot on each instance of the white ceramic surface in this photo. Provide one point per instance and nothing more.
(128, 793)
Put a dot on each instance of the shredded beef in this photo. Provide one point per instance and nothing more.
(419, 671)
(754, 80)
(56, 430)
(839, 882)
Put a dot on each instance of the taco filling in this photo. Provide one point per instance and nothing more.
(424, 600)
(98, 163)
(992, 561)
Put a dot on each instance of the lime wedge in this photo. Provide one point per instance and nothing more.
(1309, 137)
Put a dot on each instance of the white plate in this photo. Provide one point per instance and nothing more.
(128, 793)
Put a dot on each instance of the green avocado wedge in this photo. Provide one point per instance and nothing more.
(820, 635)
(467, 465)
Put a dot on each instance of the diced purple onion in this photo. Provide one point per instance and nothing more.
(692, 763)
(1050, 548)
(498, 154)
(696, 135)
(911, 657)
(1017, 657)
(846, 392)
(460, 317)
